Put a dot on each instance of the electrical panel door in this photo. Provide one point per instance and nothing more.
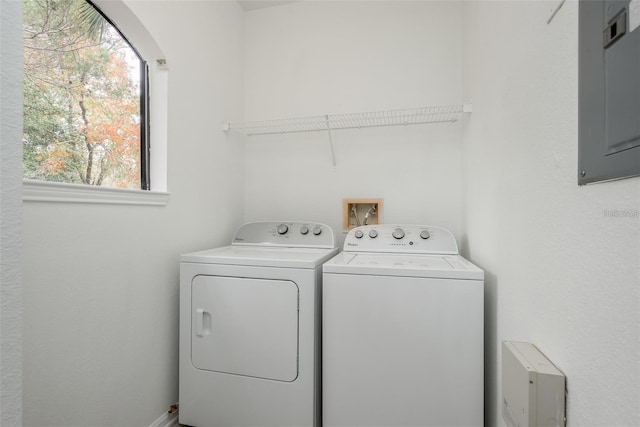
(609, 90)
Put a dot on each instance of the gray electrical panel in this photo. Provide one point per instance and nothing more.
(609, 90)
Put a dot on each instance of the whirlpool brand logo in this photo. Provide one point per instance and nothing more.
(352, 244)
(239, 239)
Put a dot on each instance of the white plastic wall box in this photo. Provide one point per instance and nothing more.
(533, 389)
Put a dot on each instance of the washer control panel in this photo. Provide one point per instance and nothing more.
(423, 239)
(285, 233)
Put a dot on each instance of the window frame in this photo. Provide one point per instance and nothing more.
(155, 70)
(145, 141)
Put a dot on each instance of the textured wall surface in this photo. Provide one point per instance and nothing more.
(315, 58)
(101, 281)
(562, 262)
(10, 214)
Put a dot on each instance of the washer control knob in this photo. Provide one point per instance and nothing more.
(398, 233)
(283, 228)
(425, 234)
(304, 229)
(373, 233)
(358, 234)
(317, 230)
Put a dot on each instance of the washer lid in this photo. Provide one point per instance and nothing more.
(262, 256)
(406, 265)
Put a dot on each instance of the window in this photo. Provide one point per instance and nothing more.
(85, 98)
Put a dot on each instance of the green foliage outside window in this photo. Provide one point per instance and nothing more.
(81, 97)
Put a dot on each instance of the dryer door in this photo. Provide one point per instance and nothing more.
(245, 326)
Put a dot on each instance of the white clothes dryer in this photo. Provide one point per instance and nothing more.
(402, 331)
(250, 327)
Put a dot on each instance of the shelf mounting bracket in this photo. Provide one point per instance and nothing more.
(333, 153)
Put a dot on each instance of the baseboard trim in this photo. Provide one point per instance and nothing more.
(166, 420)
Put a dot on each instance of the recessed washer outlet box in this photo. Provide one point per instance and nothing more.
(358, 212)
(533, 389)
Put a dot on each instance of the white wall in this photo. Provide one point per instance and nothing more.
(10, 214)
(101, 281)
(316, 57)
(560, 272)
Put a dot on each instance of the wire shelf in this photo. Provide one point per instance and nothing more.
(410, 116)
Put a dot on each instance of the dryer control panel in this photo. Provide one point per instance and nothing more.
(388, 238)
(285, 234)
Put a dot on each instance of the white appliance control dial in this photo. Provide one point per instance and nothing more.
(373, 233)
(283, 228)
(358, 234)
(398, 233)
(424, 234)
(317, 231)
(304, 229)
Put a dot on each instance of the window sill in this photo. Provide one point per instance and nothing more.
(41, 191)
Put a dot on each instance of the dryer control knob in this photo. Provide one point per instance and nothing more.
(304, 229)
(358, 234)
(425, 234)
(317, 231)
(373, 233)
(283, 228)
(398, 233)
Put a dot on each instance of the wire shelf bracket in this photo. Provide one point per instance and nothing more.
(329, 122)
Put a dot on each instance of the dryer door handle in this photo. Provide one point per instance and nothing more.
(200, 322)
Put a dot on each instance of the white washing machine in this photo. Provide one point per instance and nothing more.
(402, 331)
(250, 327)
